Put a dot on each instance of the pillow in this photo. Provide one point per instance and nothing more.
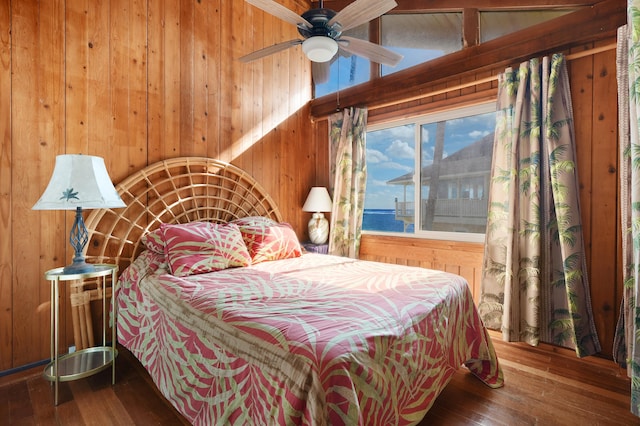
(254, 221)
(271, 242)
(153, 241)
(203, 247)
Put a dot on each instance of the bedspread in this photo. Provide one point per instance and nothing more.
(311, 340)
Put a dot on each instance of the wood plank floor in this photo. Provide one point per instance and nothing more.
(543, 386)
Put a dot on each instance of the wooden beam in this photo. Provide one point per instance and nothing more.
(492, 78)
(586, 25)
(470, 27)
(419, 6)
(374, 36)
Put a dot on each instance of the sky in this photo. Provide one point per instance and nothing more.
(352, 70)
(391, 153)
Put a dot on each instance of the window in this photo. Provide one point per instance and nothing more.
(497, 24)
(347, 70)
(452, 151)
(420, 37)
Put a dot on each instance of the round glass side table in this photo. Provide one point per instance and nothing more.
(89, 361)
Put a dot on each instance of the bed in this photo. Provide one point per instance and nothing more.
(252, 330)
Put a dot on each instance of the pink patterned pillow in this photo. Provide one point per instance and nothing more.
(153, 241)
(271, 242)
(203, 247)
(254, 221)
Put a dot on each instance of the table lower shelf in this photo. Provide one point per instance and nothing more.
(82, 363)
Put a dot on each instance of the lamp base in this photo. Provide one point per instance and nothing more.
(78, 238)
(318, 229)
(79, 268)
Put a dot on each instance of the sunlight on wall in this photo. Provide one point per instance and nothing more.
(282, 109)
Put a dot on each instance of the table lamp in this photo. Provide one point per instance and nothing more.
(318, 201)
(79, 181)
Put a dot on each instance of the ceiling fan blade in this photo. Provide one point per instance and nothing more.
(360, 12)
(279, 11)
(371, 51)
(320, 72)
(269, 50)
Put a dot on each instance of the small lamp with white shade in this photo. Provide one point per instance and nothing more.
(79, 181)
(318, 201)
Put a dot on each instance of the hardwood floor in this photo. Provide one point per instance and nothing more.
(133, 400)
(543, 386)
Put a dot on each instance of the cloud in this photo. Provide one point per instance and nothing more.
(375, 157)
(383, 198)
(390, 165)
(381, 137)
(477, 134)
(376, 182)
(404, 132)
(400, 149)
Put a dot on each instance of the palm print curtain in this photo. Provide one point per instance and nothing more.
(626, 345)
(347, 133)
(534, 284)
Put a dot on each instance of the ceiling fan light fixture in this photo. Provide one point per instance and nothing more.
(320, 48)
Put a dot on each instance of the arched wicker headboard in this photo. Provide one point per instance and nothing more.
(177, 190)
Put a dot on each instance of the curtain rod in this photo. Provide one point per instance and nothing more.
(460, 86)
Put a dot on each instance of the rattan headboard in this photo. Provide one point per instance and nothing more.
(177, 190)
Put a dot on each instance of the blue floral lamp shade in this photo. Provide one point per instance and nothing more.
(79, 181)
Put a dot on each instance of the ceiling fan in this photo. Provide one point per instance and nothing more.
(321, 30)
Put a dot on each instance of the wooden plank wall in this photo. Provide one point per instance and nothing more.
(594, 97)
(593, 87)
(134, 82)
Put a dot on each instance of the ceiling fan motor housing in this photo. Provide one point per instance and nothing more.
(320, 18)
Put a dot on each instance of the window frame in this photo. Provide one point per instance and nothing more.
(452, 113)
(470, 35)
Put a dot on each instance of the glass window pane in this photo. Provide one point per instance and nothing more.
(389, 196)
(455, 173)
(497, 24)
(347, 70)
(453, 151)
(420, 37)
